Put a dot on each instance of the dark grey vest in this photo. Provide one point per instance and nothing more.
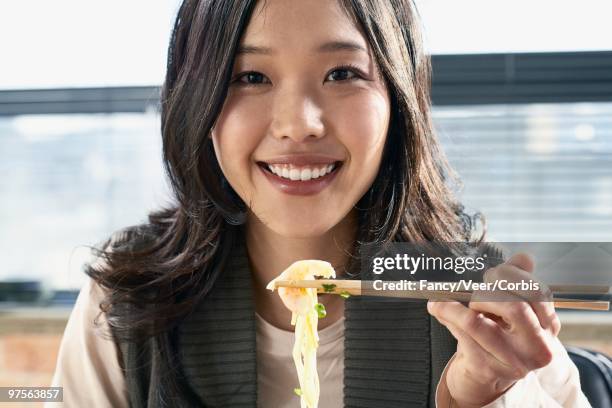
(394, 351)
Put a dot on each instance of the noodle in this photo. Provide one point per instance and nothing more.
(305, 317)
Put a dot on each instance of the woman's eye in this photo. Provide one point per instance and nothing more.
(252, 78)
(341, 74)
(257, 78)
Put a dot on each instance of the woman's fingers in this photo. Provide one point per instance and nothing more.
(523, 261)
(478, 359)
(541, 300)
(529, 341)
(503, 334)
(516, 313)
(484, 331)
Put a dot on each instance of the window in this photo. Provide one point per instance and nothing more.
(539, 172)
(68, 181)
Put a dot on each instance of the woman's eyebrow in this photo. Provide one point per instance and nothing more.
(331, 46)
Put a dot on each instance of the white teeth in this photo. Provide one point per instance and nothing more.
(304, 174)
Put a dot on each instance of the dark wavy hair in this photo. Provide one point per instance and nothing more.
(155, 273)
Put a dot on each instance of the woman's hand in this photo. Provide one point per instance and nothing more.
(499, 341)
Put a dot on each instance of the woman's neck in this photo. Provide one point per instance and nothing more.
(270, 254)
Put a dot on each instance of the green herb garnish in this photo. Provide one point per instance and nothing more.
(345, 294)
(328, 287)
(321, 312)
(298, 391)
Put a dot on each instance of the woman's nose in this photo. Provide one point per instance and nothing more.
(297, 117)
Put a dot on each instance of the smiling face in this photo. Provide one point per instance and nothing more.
(301, 133)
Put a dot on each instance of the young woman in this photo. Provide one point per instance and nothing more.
(298, 130)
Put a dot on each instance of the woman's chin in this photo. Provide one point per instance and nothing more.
(301, 229)
(299, 223)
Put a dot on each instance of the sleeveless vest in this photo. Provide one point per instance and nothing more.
(394, 350)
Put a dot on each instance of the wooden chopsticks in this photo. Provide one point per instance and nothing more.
(366, 288)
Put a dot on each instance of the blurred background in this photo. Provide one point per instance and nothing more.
(522, 95)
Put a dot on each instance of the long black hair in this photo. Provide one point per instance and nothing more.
(163, 268)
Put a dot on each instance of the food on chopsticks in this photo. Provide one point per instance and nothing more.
(306, 311)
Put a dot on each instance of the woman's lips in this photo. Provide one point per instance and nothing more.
(303, 182)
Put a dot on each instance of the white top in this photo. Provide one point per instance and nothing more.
(88, 368)
(276, 375)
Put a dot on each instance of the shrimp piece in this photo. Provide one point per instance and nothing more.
(302, 300)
